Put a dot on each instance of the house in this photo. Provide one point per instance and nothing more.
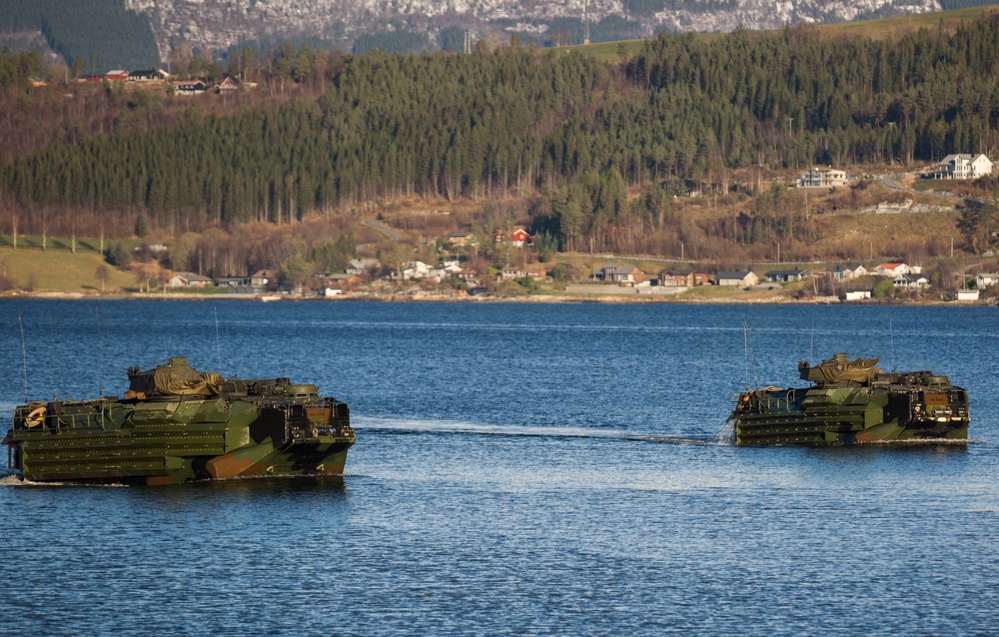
(510, 274)
(231, 281)
(786, 276)
(986, 279)
(622, 274)
(341, 281)
(446, 269)
(896, 269)
(118, 75)
(968, 295)
(847, 272)
(147, 75)
(265, 279)
(518, 237)
(462, 239)
(188, 87)
(821, 178)
(682, 278)
(963, 166)
(414, 271)
(737, 278)
(359, 267)
(911, 281)
(857, 295)
(227, 85)
(189, 280)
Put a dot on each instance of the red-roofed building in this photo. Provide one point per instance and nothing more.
(896, 269)
(518, 237)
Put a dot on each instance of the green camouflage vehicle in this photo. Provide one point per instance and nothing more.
(852, 401)
(175, 425)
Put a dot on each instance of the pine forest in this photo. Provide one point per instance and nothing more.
(594, 149)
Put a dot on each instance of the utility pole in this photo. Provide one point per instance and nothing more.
(586, 22)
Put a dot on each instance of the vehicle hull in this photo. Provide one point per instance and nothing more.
(175, 426)
(852, 402)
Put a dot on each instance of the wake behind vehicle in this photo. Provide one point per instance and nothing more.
(851, 402)
(175, 424)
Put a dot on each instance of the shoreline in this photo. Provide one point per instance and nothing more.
(608, 298)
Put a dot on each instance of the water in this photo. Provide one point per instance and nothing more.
(521, 469)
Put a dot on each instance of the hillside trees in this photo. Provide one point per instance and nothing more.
(522, 121)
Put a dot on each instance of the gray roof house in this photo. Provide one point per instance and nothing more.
(846, 272)
(744, 278)
(785, 276)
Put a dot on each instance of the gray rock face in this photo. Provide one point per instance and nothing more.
(218, 24)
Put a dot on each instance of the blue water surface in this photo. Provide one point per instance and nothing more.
(521, 469)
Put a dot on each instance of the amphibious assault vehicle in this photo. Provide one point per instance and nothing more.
(852, 401)
(175, 425)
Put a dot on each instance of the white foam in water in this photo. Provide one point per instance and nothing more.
(726, 435)
(10, 480)
(443, 427)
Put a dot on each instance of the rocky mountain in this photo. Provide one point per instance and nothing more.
(218, 24)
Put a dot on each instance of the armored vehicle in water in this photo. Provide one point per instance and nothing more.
(852, 401)
(175, 425)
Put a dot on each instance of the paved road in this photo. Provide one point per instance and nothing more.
(385, 230)
(889, 182)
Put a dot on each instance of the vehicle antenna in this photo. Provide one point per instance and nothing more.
(218, 343)
(100, 355)
(52, 357)
(748, 354)
(745, 350)
(24, 357)
(891, 337)
(811, 346)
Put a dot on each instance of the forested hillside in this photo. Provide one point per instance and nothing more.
(100, 34)
(519, 120)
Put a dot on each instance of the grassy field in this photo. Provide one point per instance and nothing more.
(38, 270)
(877, 29)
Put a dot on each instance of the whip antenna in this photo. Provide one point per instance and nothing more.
(218, 342)
(24, 358)
(891, 337)
(100, 355)
(52, 358)
(811, 347)
(745, 350)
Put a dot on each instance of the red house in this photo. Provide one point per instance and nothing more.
(517, 237)
(118, 75)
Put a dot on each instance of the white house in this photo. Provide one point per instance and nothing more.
(963, 166)
(986, 279)
(967, 295)
(358, 267)
(846, 272)
(189, 280)
(821, 177)
(446, 269)
(857, 295)
(896, 269)
(916, 281)
(415, 271)
(740, 278)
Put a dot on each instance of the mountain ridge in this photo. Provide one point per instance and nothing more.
(219, 24)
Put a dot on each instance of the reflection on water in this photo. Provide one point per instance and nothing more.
(519, 470)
